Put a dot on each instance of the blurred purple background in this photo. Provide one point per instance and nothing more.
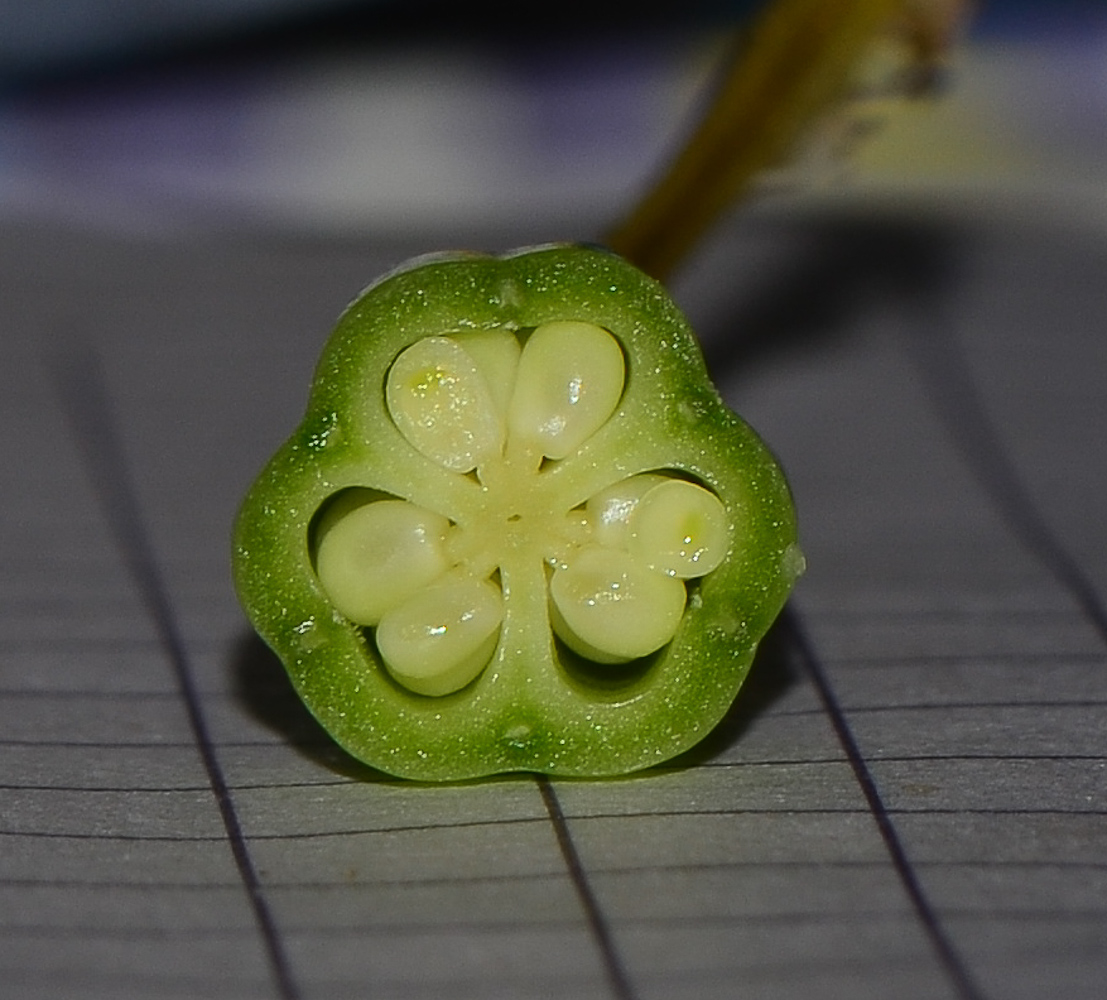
(327, 116)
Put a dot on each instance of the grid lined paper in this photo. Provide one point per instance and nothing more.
(908, 799)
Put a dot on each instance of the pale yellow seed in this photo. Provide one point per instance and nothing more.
(569, 382)
(610, 608)
(376, 555)
(680, 529)
(443, 637)
(608, 512)
(441, 403)
(496, 356)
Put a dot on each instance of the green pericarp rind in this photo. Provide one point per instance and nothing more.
(532, 708)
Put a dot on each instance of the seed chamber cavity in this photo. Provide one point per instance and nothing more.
(503, 407)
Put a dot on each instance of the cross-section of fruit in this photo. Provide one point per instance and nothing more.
(517, 528)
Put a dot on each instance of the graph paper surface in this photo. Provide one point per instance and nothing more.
(908, 799)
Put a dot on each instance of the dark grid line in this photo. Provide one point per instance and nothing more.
(958, 403)
(1016, 660)
(954, 965)
(911, 706)
(621, 986)
(717, 766)
(85, 402)
(712, 765)
(782, 810)
(761, 864)
(492, 927)
(776, 713)
(974, 706)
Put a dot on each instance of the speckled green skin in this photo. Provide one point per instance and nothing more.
(528, 711)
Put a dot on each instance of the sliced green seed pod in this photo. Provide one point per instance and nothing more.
(555, 488)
